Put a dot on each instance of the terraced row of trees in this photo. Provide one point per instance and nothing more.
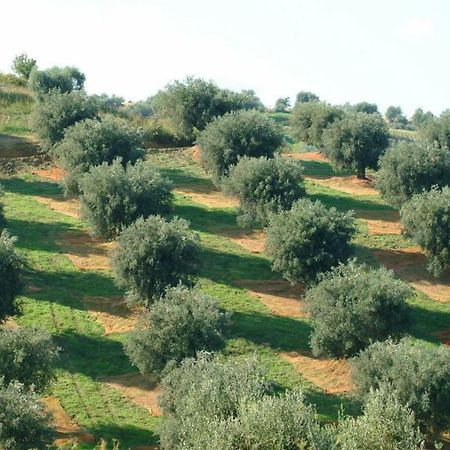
(403, 386)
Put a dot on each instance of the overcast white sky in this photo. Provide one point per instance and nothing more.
(388, 52)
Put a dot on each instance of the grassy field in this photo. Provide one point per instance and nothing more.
(56, 288)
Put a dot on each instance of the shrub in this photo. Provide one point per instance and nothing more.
(177, 326)
(426, 220)
(419, 373)
(282, 105)
(24, 421)
(23, 65)
(409, 168)
(386, 424)
(422, 119)
(241, 133)
(309, 120)
(142, 108)
(64, 79)
(11, 269)
(28, 356)
(58, 111)
(225, 405)
(309, 239)
(110, 104)
(306, 97)
(264, 186)
(113, 197)
(395, 117)
(357, 142)
(92, 142)
(365, 107)
(2, 214)
(191, 104)
(354, 305)
(154, 254)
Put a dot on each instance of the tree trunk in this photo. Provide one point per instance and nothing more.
(361, 171)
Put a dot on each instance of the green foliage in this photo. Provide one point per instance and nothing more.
(8, 80)
(309, 239)
(191, 104)
(109, 103)
(395, 117)
(264, 186)
(422, 119)
(236, 134)
(437, 131)
(418, 373)
(354, 305)
(11, 270)
(64, 79)
(365, 107)
(309, 121)
(24, 421)
(226, 405)
(282, 105)
(426, 220)
(306, 97)
(57, 111)
(143, 108)
(154, 254)
(2, 214)
(92, 142)
(409, 168)
(177, 326)
(357, 141)
(28, 356)
(22, 65)
(113, 196)
(386, 424)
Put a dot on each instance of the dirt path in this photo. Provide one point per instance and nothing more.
(253, 241)
(207, 195)
(67, 431)
(410, 265)
(331, 375)
(350, 185)
(308, 156)
(53, 173)
(17, 146)
(138, 389)
(279, 296)
(70, 206)
(380, 222)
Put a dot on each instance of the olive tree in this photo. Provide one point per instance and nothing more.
(28, 356)
(58, 111)
(309, 239)
(356, 142)
(409, 168)
(264, 186)
(310, 120)
(282, 105)
(422, 119)
(354, 305)
(24, 421)
(92, 142)
(418, 373)
(386, 423)
(426, 220)
(23, 65)
(63, 79)
(395, 117)
(154, 254)
(365, 107)
(237, 134)
(12, 266)
(437, 131)
(178, 325)
(228, 405)
(113, 196)
(306, 97)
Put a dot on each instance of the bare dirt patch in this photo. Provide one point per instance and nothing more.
(10, 324)
(410, 265)
(331, 375)
(196, 155)
(253, 241)
(444, 337)
(66, 429)
(381, 222)
(52, 173)
(69, 207)
(85, 251)
(111, 313)
(350, 185)
(308, 156)
(208, 196)
(138, 389)
(279, 296)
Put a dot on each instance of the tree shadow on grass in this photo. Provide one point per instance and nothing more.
(180, 177)
(426, 322)
(282, 334)
(32, 187)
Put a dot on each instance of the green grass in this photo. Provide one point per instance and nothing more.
(15, 106)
